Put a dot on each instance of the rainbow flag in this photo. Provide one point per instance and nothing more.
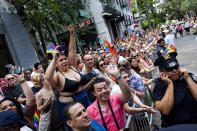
(169, 49)
(36, 119)
(109, 49)
(153, 47)
(122, 42)
(50, 49)
(132, 34)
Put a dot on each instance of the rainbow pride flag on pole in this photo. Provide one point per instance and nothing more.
(109, 49)
(169, 49)
(36, 119)
(50, 49)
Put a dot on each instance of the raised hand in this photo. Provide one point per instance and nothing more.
(71, 28)
(165, 78)
(19, 77)
(56, 53)
(113, 70)
(184, 73)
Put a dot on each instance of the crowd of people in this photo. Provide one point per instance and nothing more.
(95, 91)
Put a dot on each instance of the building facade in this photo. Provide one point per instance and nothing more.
(111, 17)
(15, 44)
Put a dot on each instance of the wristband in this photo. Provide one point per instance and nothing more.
(118, 77)
(21, 82)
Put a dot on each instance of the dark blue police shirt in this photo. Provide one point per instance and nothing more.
(184, 110)
(159, 49)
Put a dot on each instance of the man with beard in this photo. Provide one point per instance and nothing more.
(78, 119)
(175, 92)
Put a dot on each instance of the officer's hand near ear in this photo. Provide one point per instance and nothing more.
(184, 73)
(165, 78)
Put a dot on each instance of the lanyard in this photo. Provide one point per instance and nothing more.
(104, 124)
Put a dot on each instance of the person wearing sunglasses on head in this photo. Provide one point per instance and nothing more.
(175, 92)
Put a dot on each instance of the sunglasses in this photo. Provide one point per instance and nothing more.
(101, 65)
(6, 106)
(10, 78)
(172, 68)
(135, 56)
(143, 52)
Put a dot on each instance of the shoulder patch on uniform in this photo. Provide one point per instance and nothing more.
(194, 77)
(162, 51)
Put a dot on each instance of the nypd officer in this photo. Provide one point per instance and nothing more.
(175, 92)
(161, 47)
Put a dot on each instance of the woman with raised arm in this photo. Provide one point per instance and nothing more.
(67, 80)
(27, 113)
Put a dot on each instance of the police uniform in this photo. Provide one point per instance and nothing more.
(160, 49)
(184, 110)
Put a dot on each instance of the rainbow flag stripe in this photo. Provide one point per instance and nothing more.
(122, 42)
(36, 118)
(132, 34)
(50, 49)
(109, 49)
(169, 49)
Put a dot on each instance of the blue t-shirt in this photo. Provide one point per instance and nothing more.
(96, 126)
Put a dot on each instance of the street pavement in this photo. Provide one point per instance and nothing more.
(187, 52)
(187, 57)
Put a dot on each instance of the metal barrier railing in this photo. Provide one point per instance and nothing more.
(141, 121)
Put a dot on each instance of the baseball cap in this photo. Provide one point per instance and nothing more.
(10, 117)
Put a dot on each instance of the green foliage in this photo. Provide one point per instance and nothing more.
(177, 8)
(48, 16)
(188, 5)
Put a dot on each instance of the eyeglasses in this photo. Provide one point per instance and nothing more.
(10, 78)
(6, 106)
(172, 68)
(135, 56)
(143, 52)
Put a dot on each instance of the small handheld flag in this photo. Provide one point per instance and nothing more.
(122, 42)
(36, 118)
(50, 49)
(109, 49)
(169, 49)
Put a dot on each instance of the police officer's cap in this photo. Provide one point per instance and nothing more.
(167, 61)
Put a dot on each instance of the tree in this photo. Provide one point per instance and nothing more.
(43, 18)
(189, 5)
(176, 9)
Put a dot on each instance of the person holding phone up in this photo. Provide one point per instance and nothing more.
(175, 92)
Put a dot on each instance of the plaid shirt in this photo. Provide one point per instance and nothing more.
(136, 82)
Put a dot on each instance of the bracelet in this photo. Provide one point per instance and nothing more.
(118, 77)
(21, 82)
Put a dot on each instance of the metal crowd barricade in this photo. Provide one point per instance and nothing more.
(143, 121)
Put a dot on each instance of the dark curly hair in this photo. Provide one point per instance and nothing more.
(17, 104)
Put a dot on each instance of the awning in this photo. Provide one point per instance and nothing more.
(112, 14)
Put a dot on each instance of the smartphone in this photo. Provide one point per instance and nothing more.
(62, 48)
(16, 72)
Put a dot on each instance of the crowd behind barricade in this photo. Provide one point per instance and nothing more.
(95, 91)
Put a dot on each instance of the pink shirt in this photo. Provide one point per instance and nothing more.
(117, 106)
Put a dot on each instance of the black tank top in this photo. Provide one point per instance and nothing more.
(73, 85)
